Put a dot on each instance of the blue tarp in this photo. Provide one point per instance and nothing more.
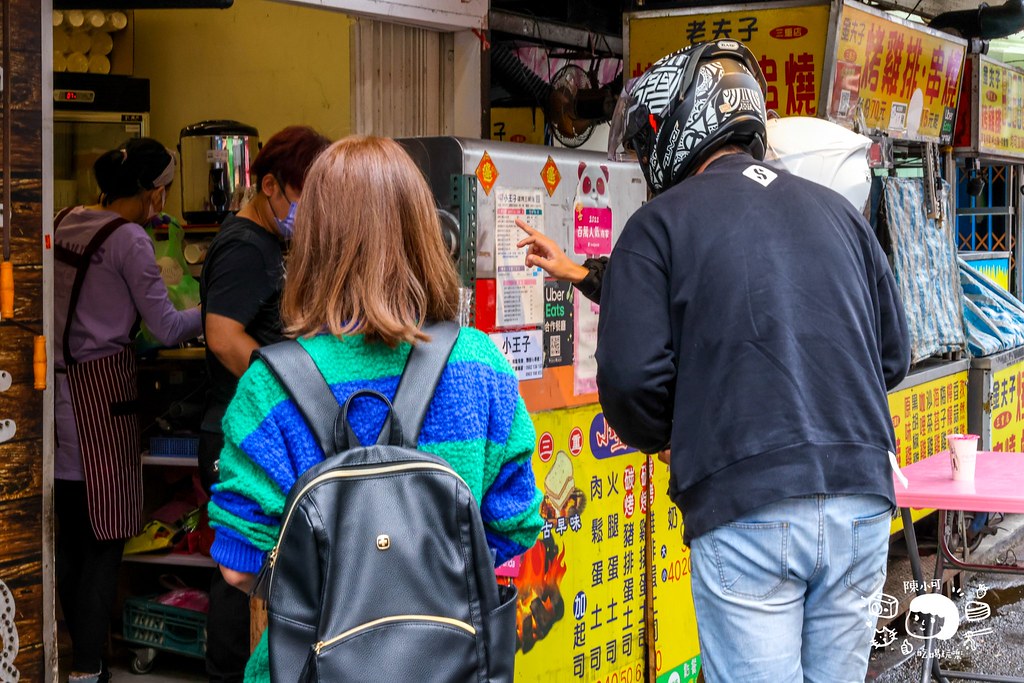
(925, 265)
(994, 318)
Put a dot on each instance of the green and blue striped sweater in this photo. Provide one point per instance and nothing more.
(477, 422)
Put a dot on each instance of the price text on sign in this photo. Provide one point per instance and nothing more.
(789, 45)
(909, 78)
(677, 650)
(922, 415)
(583, 585)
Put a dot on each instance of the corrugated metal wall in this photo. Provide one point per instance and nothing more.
(402, 80)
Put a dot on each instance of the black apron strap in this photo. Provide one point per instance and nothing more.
(60, 252)
(84, 260)
(61, 216)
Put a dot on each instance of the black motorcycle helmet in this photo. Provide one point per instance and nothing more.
(686, 106)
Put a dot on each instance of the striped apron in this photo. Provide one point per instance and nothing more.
(104, 398)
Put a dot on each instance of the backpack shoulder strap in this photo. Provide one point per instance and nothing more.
(422, 373)
(301, 378)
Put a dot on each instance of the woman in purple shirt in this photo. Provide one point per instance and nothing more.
(105, 277)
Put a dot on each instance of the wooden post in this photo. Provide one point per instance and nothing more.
(22, 603)
(257, 621)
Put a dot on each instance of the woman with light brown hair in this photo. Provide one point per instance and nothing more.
(367, 268)
(370, 259)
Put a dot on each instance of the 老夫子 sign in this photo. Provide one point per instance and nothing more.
(788, 42)
(990, 118)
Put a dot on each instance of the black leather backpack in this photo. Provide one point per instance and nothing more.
(382, 571)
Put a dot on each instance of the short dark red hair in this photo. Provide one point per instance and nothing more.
(288, 154)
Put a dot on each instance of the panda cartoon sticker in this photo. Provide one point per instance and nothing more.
(592, 213)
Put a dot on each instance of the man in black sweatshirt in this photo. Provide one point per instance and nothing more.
(750, 321)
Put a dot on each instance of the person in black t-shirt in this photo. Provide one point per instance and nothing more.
(240, 288)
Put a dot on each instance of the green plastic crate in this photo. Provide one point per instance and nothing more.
(164, 627)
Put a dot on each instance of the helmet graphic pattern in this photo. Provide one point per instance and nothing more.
(659, 85)
(691, 103)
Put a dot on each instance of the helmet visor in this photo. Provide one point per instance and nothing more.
(632, 128)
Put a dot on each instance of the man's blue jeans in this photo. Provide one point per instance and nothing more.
(782, 594)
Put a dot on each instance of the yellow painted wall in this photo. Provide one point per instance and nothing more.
(264, 63)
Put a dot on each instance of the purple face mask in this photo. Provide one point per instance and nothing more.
(286, 225)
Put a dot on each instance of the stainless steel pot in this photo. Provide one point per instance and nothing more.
(215, 161)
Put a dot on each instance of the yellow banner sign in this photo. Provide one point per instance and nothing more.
(583, 586)
(789, 45)
(1006, 410)
(518, 124)
(922, 415)
(896, 77)
(993, 265)
(676, 648)
(1000, 107)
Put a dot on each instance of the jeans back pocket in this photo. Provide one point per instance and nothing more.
(870, 553)
(751, 557)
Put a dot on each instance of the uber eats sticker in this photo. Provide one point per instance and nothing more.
(558, 323)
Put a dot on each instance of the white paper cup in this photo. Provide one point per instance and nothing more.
(77, 63)
(963, 455)
(74, 18)
(81, 41)
(61, 41)
(100, 43)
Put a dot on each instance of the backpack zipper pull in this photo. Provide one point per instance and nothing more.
(262, 586)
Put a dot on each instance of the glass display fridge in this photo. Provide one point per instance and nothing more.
(92, 114)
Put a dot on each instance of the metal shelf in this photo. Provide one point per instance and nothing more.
(169, 461)
(192, 560)
(190, 353)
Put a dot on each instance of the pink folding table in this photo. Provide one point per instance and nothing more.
(998, 486)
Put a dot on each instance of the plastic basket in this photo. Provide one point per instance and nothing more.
(174, 446)
(164, 627)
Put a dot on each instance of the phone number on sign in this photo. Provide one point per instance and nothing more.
(676, 570)
(630, 674)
